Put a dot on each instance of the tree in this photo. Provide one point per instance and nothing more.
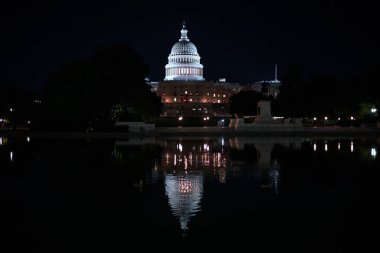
(288, 102)
(245, 102)
(17, 105)
(109, 87)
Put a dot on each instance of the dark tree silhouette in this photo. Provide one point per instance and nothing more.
(96, 93)
(245, 102)
(17, 105)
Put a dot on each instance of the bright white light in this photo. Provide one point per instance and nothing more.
(373, 152)
(315, 147)
(315, 118)
(204, 118)
(180, 147)
(206, 147)
(373, 110)
(28, 139)
(180, 118)
(1, 141)
(222, 141)
(338, 146)
(338, 118)
(352, 118)
(326, 118)
(11, 109)
(326, 147)
(352, 146)
(222, 120)
(28, 122)
(11, 156)
(1, 120)
(175, 99)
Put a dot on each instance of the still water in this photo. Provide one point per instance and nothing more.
(276, 194)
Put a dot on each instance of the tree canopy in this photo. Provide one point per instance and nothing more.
(245, 102)
(109, 87)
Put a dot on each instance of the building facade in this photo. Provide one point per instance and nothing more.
(185, 92)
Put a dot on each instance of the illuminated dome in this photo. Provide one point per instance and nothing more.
(184, 61)
(184, 47)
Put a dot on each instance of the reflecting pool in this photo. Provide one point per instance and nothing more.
(276, 194)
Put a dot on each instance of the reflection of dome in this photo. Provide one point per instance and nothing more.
(184, 193)
(184, 61)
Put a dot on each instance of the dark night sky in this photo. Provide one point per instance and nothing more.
(239, 40)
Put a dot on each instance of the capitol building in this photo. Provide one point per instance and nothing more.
(184, 91)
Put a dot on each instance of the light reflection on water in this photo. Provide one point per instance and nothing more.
(184, 191)
(192, 180)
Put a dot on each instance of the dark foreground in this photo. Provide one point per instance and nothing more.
(183, 193)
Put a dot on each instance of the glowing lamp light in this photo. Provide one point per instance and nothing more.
(315, 118)
(352, 118)
(373, 152)
(338, 118)
(180, 118)
(326, 118)
(373, 110)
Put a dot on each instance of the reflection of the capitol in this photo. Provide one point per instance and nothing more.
(184, 191)
(198, 157)
(184, 165)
